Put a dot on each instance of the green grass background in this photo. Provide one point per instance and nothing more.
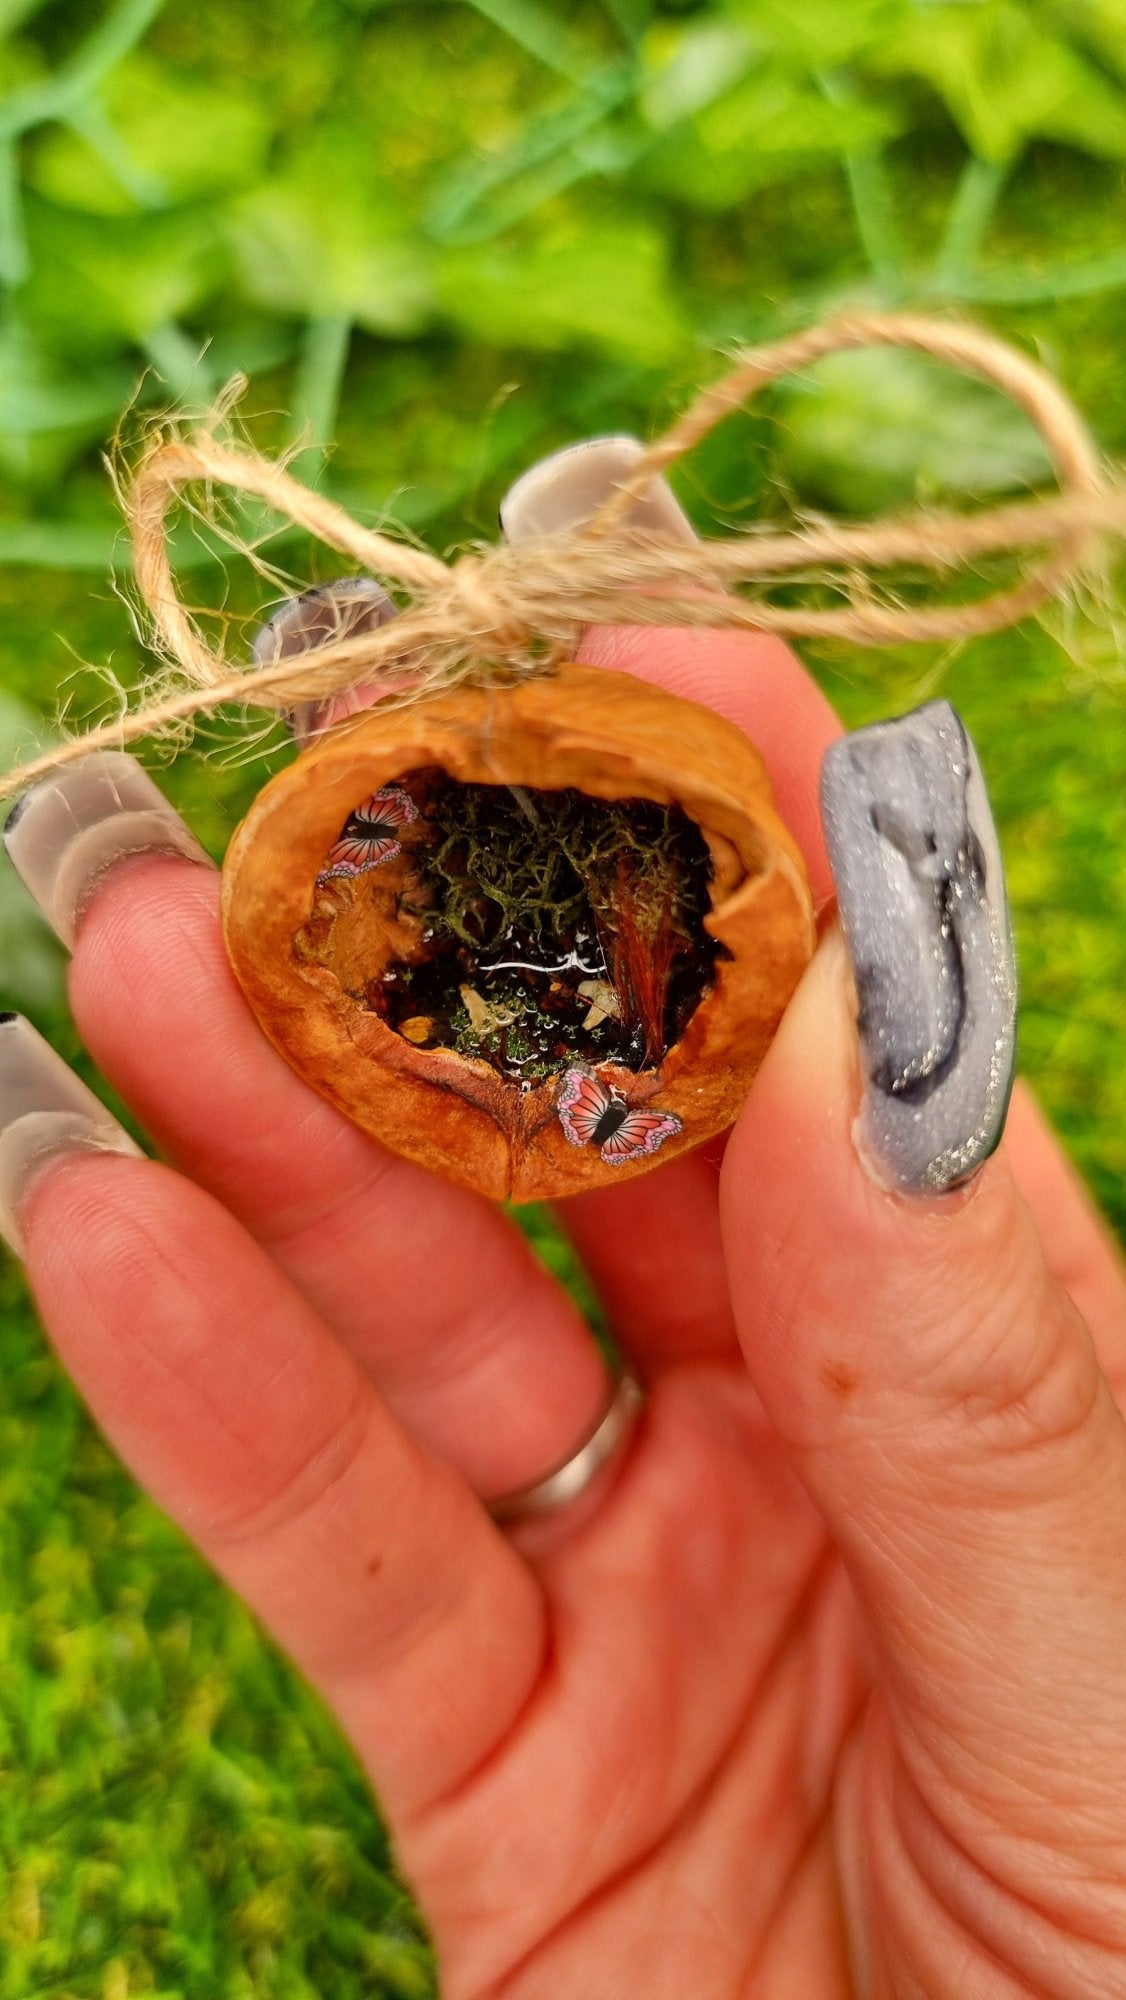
(442, 239)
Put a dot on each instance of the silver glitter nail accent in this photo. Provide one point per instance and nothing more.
(921, 892)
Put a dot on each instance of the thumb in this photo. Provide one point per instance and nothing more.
(939, 1393)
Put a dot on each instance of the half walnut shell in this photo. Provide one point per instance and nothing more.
(334, 924)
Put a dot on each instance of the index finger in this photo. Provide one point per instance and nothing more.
(468, 1338)
(366, 1555)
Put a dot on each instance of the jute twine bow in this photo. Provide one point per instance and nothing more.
(505, 613)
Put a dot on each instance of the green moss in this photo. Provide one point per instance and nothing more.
(545, 864)
(524, 896)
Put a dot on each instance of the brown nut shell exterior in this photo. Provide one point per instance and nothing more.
(605, 734)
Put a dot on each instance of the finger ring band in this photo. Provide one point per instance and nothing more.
(576, 1473)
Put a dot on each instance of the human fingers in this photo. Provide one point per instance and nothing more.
(1078, 1245)
(365, 1554)
(775, 702)
(653, 1247)
(673, 1302)
(760, 686)
(472, 1343)
(934, 1384)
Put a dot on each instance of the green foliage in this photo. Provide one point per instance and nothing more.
(1006, 81)
(870, 431)
(444, 238)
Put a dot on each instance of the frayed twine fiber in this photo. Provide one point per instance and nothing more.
(502, 613)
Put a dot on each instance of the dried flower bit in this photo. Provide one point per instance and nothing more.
(604, 1002)
(485, 1019)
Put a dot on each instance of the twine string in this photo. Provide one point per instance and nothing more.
(501, 612)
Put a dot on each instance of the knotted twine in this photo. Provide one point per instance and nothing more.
(501, 613)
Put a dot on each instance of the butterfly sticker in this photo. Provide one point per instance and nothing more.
(368, 838)
(592, 1114)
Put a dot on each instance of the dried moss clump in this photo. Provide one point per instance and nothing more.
(556, 927)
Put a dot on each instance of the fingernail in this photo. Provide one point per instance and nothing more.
(565, 490)
(341, 610)
(68, 831)
(921, 894)
(45, 1111)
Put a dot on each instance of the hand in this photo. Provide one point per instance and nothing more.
(823, 1695)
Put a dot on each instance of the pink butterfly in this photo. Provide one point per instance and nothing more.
(592, 1114)
(368, 838)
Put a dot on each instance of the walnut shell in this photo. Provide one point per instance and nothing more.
(608, 735)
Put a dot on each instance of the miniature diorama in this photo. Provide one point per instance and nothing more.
(533, 936)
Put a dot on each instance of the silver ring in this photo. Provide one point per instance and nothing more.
(559, 1488)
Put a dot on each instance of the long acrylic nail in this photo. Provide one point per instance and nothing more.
(345, 609)
(45, 1111)
(68, 831)
(565, 490)
(921, 893)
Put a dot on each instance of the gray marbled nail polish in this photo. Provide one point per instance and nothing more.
(921, 893)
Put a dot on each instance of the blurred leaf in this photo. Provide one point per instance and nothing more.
(770, 127)
(1099, 25)
(32, 962)
(74, 82)
(326, 240)
(602, 285)
(62, 545)
(820, 33)
(47, 414)
(876, 429)
(881, 429)
(483, 194)
(14, 12)
(1005, 80)
(94, 277)
(20, 61)
(688, 68)
(193, 138)
(538, 30)
(1085, 277)
(14, 256)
